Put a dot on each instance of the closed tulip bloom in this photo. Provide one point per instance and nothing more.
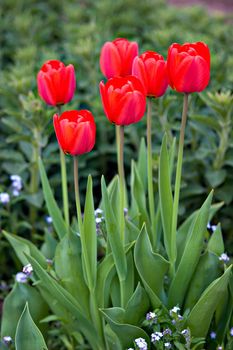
(75, 131)
(188, 67)
(116, 57)
(151, 69)
(56, 82)
(123, 99)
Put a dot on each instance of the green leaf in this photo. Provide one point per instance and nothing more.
(28, 336)
(89, 239)
(151, 267)
(190, 256)
(142, 163)
(65, 299)
(114, 234)
(185, 229)
(68, 266)
(22, 246)
(53, 209)
(206, 272)
(138, 302)
(14, 304)
(139, 198)
(201, 315)
(126, 333)
(165, 195)
(216, 244)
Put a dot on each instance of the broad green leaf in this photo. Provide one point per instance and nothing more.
(48, 248)
(206, 272)
(151, 267)
(223, 314)
(22, 246)
(126, 333)
(131, 231)
(165, 194)
(113, 234)
(105, 273)
(216, 243)
(66, 300)
(89, 239)
(68, 266)
(191, 256)
(53, 209)
(216, 177)
(142, 163)
(14, 304)
(201, 315)
(139, 301)
(185, 229)
(28, 336)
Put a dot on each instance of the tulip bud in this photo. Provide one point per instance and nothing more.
(75, 131)
(56, 82)
(188, 67)
(151, 69)
(123, 99)
(116, 58)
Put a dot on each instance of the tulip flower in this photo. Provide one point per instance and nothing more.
(75, 131)
(188, 67)
(56, 82)
(151, 69)
(116, 58)
(123, 99)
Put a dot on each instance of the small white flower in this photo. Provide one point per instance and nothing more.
(231, 332)
(15, 193)
(156, 336)
(224, 257)
(130, 349)
(174, 310)
(151, 316)
(185, 332)
(213, 335)
(4, 198)
(21, 277)
(167, 345)
(211, 227)
(98, 211)
(98, 220)
(7, 340)
(141, 343)
(16, 183)
(28, 269)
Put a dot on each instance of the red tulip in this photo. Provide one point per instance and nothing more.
(116, 57)
(75, 131)
(123, 99)
(188, 67)
(151, 69)
(56, 82)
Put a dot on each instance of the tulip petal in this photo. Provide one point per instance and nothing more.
(133, 108)
(110, 61)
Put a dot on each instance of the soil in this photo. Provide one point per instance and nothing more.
(224, 6)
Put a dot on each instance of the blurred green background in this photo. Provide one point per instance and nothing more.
(32, 31)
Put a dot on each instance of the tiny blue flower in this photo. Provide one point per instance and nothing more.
(48, 219)
(156, 336)
(213, 335)
(141, 343)
(224, 257)
(28, 269)
(167, 331)
(4, 198)
(174, 310)
(231, 332)
(151, 316)
(7, 340)
(21, 277)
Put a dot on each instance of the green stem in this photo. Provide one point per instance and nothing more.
(120, 157)
(177, 183)
(150, 169)
(34, 183)
(93, 303)
(64, 182)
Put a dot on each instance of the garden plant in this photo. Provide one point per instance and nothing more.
(127, 261)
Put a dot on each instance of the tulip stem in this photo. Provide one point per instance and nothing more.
(150, 169)
(64, 182)
(120, 157)
(177, 184)
(93, 302)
